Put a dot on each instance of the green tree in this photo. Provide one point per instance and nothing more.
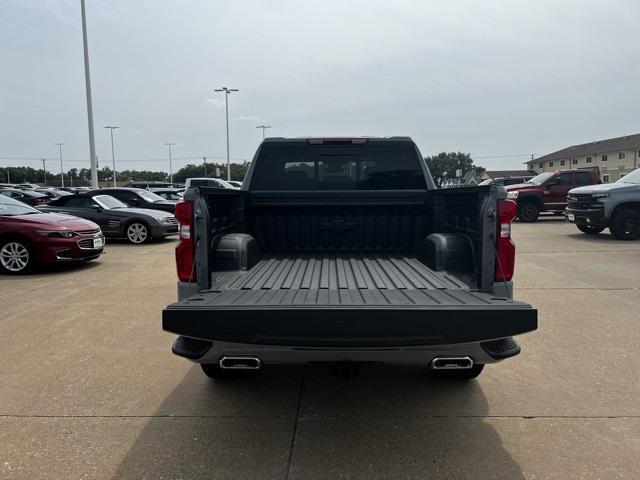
(444, 165)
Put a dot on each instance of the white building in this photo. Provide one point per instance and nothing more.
(613, 157)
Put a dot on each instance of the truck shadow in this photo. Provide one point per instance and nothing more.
(388, 422)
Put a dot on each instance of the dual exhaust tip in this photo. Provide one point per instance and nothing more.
(451, 363)
(254, 363)
(240, 363)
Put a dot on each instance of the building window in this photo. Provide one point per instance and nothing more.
(604, 157)
(574, 161)
(621, 156)
(605, 178)
(562, 163)
(550, 164)
(588, 159)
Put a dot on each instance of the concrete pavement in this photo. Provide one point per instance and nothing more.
(89, 388)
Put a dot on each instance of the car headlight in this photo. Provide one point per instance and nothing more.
(601, 195)
(512, 195)
(167, 220)
(57, 233)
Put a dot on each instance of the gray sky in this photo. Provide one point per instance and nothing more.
(493, 78)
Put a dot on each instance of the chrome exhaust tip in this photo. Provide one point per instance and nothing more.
(240, 363)
(451, 363)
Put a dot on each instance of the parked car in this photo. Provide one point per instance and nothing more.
(30, 197)
(152, 184)
(547, 192)
(504, 181)
(139, 197)
(212, 182)
(353, 255)
(117, 220)
(612, 205)
(171, 194)
(27, 186)
(29, 236)
(52, 193)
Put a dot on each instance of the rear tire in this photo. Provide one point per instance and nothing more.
(625, 224)
(16, 256)
(466, 374)
(590, 229)
(528, 212)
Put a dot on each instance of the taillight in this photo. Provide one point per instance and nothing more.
(184, 249)
(506, 249)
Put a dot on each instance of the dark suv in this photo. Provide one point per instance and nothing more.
(139, 198)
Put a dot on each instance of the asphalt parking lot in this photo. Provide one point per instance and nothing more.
(89, 388)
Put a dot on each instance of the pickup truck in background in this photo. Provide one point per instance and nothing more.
(548, 192)
(344, 250)
(612, 205)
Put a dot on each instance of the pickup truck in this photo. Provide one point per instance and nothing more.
(613, 205)
(343, 250)
(548, 192)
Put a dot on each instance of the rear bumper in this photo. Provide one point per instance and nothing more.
(368, 327)
(593, 217)
(205, 352)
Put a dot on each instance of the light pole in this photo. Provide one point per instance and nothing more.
(44, 171)
(227, 91)
(87, 79)
(170, 144)
(263, 127)
(204, 161)
(61, 170)
(113, 155)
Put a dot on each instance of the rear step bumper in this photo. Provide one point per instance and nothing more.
(325, 326)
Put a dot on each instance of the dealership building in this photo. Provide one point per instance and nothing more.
(613, 157)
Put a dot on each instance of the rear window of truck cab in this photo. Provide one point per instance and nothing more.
(338, 167)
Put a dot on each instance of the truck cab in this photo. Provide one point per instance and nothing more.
(548, 192)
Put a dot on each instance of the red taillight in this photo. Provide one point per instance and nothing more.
(184, 249)
(506, 249)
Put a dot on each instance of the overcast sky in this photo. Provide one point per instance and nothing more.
(500, 79)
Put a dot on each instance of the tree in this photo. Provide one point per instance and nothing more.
(448, 163)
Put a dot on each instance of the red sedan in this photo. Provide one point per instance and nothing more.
(28, 236)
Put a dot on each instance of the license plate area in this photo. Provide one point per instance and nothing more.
(98, 242)
(571, 217)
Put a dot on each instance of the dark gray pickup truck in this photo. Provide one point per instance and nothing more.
(344, 250)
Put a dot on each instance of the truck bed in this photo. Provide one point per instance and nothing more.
(345, 299)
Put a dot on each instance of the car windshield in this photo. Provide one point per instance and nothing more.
(633, 177)
(150, 196)
(109, 202)
(540, 179)
(10, 207)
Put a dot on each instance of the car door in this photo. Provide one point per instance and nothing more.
(558, 188)
(83, 207)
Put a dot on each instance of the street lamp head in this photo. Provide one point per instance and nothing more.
(59, 143)
(112, 127)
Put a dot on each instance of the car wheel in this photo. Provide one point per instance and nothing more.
(465, 374)
(16, 256)
(625, 224)
(590, 229)
(137, 232)
(528, 212)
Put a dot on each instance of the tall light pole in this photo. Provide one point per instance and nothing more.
(170, 144)
(44, 171)
(204, 161)
(263, 127)
(61, 169)
(227, 91)
(113, 155)
(87, 80)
